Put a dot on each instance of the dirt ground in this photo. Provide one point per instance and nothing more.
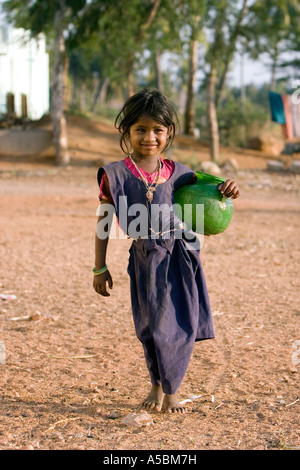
(71, 367)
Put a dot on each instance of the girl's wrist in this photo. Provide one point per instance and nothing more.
(97, 271)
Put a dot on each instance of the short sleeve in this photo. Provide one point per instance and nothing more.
(104, 191)
(188, 177)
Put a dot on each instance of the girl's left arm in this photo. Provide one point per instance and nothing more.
(229, 189)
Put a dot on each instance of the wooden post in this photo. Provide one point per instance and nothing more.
(10, 104)
(24, 106)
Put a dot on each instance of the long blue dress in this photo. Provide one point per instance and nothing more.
(170, 303)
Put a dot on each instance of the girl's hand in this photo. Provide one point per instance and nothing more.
(100, 283)
(229, 189)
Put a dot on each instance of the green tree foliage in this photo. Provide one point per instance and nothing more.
(272, 29)
(117, 46)
(224, 20)
(54, 19)
(38, 15)
(119, 29)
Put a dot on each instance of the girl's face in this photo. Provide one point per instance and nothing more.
(147, 137)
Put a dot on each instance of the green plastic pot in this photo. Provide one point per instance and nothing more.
(218, 209)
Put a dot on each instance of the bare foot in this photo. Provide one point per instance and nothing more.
(155, 398)
(172, 405)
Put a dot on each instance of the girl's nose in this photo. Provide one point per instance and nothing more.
(149, 137)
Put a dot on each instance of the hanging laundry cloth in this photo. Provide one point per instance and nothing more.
(286, 111)
(295, 113)
(277, 108)
(288, 126)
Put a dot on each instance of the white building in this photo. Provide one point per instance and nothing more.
(24, 69)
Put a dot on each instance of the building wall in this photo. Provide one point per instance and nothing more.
(24, 68)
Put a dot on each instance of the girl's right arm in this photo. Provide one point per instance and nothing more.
(101, 281)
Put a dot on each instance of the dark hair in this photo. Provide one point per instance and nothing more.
(152, 103)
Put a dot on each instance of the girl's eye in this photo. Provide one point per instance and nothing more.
(142, 130)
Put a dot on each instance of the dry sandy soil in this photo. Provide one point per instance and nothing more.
(71, 367)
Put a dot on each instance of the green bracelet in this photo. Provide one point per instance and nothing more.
(101, 271)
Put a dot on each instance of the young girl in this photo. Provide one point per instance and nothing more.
(169, 298)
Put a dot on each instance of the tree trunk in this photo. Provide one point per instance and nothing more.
(157, 69)
(212, 115)
(82, 97)
(274, 68)
(130, 76)
(100, 93)
(230, 52)
(74, 92)
(59, 124)
(189, 123)
(243, 86)
(138, 38)
(65, 85)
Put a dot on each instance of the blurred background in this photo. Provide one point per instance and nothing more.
(217, 60)
(70, 366)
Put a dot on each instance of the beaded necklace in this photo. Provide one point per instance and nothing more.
(150, 189)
